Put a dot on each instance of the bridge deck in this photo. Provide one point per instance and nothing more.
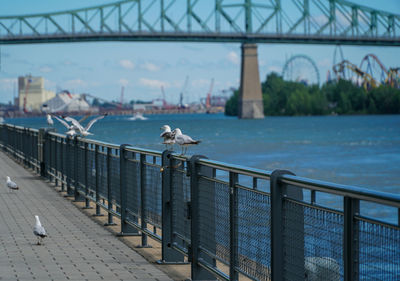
(77, 248)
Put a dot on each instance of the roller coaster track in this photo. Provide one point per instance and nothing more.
(256, 21)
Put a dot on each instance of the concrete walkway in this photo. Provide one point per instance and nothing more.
(77, 248)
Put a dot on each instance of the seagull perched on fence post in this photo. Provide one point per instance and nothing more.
(50, 121)
(169, 137)
(11, 185)
(39, 231)
(184, 140)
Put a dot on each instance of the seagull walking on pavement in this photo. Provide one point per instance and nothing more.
(11, 185)
(184, 140)
(39, 231)
(168, 136)
(84, 131)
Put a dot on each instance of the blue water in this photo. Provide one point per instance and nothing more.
(353, 150)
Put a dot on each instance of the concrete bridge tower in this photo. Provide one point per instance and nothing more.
(250, 97)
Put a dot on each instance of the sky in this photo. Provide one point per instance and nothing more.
(103, 68)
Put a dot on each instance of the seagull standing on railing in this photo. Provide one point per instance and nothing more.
(11, 185)
(84, 131)
(71, 128)
(39, 231)
(168, 136)
(184, 140)
(50, 121)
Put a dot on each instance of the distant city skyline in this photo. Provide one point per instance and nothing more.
(102, 68)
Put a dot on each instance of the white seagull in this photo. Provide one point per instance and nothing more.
(71, 128)
(11, 185)
(184, 140)
(84, 131)
(39, 231)
(50, 121)
(168, 136)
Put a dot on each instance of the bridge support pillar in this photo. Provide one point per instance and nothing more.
(250, 97)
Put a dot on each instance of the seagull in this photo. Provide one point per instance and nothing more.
(169, 137)
(39, 231)
(184, 140)
(84, 131)
(50, 121)
(11, 185)
(71, 128)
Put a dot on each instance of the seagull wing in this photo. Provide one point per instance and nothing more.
(74, 122)
(94, 121)
(62, 121)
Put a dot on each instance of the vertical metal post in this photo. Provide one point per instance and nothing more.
(109, 195)
(56, 157)
(198, 272)
(62, 168)
(168, 255)
(69, 158)
(313, 196)
(126, 229)
(78, 197)
(233, 226)
(87, 201)
(351, 208)
(97, 168)
(277, 227)
(143, 196)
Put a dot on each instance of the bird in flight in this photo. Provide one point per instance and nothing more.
(184, 140)
(168, 136)
(71, 128)
(39, 231)
(84, 131)
(11, 185)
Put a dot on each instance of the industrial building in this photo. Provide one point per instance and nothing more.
(31, 93)
(66, 102)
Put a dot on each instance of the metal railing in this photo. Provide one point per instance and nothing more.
(228, 221)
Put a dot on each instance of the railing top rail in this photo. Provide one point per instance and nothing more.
(344, 190)
(247, 171)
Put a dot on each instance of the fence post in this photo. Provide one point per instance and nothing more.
(198, 272)
(126, 229)
(233, 224)
(143, 196)
(168, 255)
(109, 195)
(62, 168)
(278, 193)
(77, 196)
(69, 158)
(97, 168)
(87, 201)
(351, 208)
(42, 151)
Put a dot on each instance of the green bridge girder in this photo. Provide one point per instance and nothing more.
(242, 21)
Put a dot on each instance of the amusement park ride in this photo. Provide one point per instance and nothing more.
(370, 74)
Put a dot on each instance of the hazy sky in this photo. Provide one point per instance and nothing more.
(103, 68)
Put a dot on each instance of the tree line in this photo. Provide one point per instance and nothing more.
(343, 97)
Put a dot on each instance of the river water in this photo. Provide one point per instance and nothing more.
(354, 150)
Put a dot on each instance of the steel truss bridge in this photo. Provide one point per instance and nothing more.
(244, 21)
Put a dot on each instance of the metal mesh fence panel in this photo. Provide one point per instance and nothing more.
(214, 218)
(254, 236)
(115, 179)
(378, 251)
(102, 174)
(153, 195)
(180, 195)
(133, 187)
(313, 243)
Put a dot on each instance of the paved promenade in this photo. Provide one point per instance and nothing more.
(77, 248)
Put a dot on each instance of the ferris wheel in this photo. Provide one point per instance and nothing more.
(301, 68)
